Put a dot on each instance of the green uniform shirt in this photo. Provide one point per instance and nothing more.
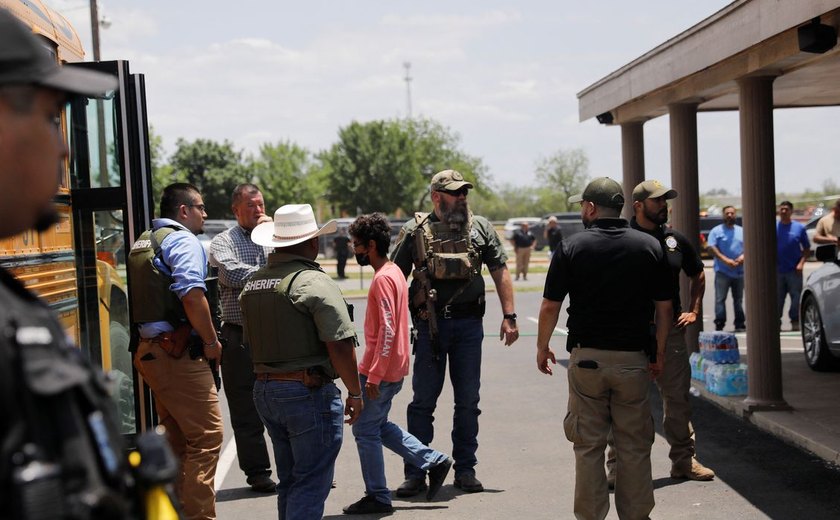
(484, 239)
(319, 302)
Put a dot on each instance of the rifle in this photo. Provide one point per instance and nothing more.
(424, 299)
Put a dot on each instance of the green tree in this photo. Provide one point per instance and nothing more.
(286, 174)
(214, 168)
(387, 165)
(562, 175)
(162, 172)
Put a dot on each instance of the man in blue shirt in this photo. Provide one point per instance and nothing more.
(167, 267)
(726, 242)
(793, 249)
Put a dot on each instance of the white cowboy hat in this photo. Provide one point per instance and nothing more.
(293, 223)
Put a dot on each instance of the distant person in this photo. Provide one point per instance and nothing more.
(237, 258)
(552, 235)
(792, 251)
(523, 243)
(726, 241)
(341, 246)
(615, 277)
(382, 370)
(302, 338)
(828, 227)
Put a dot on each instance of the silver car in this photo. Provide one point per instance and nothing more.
(820, 312)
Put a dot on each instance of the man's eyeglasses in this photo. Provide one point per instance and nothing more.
(457, 193)
(200, 207)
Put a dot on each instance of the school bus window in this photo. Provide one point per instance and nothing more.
(102, 143)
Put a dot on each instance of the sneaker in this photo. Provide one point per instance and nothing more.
(262, 484)
(794, 326)
(694, 471)
(411, 487)
(368, 506)
(468, 483)
(611, 479)
(740, 329)
(437, 474)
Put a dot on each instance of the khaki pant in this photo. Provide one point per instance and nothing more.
(523, 258)
(613, 395)
(674, 383)
(188, 406)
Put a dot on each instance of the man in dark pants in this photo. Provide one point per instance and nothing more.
(650, 208)
(611, 273)
(237, 257)
(455, 332)
(341, 245)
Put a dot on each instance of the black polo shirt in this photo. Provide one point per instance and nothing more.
(523, 238)
(611, 273)
(681, 256)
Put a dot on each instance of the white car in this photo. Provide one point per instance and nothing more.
(513, 224)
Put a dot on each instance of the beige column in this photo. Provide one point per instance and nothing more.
(758, 194)
(632, 161)
(685, 209)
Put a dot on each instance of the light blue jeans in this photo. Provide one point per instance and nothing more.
(305, 426)
(789, 283)
(722, 285)
(373, 430)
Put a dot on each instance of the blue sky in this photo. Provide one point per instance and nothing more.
(503, 75)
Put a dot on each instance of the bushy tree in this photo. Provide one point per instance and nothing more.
(561, 175)
(286, 174)
(214, 168)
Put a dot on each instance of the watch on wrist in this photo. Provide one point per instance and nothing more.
(511, 316)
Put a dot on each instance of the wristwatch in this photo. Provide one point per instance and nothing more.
(511, 317)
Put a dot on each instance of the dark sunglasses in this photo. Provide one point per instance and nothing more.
(456, 193)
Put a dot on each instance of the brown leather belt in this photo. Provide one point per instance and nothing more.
(297, 375)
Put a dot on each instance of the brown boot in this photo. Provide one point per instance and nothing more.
(692, 471)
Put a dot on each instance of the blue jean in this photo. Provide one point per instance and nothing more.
(305, 426)
(789, 283)
(722, 285)
(459, 341)
(373, 430)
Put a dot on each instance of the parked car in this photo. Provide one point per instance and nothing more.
(569, 222)
(513, 224)
(820, 312)
(706, 226)
(212, 228)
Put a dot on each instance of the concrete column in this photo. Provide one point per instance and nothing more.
(685, 209)
(758, 198)
(632, 161)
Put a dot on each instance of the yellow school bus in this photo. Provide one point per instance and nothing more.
(104, 202)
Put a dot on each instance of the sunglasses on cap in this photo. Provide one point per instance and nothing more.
(456, 193)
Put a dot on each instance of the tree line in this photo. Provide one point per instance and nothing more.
(381, 165)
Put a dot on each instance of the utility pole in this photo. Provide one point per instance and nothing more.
(94, 28)
(407, 78)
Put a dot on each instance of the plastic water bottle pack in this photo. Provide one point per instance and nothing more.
(719, 347)
(727, 379)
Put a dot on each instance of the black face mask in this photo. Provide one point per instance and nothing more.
(362, 259)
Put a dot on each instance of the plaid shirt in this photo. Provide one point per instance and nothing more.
(237, 258)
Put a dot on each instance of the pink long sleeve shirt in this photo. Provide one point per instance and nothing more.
(386, 327)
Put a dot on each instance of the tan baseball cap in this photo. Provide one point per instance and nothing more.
(652, 189)
(449, 180)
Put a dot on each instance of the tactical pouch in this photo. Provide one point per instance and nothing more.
(450, 266)
(175, 343)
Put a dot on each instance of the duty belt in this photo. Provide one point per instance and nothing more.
(462, 310)
(297, 375)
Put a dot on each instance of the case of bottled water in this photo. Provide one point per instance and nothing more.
(719, 347)
(727, 379)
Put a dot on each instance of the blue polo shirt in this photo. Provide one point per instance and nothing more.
(791, 240)
(730, 242)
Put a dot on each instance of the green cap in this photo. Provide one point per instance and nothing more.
(652, 189)
(449, 180)
(603, 191)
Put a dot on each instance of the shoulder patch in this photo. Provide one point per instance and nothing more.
(671, 242)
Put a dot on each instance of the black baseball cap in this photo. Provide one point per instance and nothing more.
(25, 61)
(603, 191)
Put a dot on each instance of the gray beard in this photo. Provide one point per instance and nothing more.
(454, 215)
